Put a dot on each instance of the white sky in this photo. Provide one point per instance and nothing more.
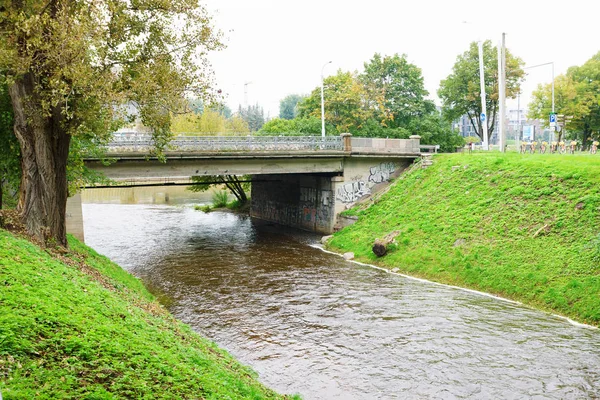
(281, 46)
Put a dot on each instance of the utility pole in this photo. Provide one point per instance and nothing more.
(502, 92)
(483, 116)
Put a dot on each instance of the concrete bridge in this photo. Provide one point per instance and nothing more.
(303, 182)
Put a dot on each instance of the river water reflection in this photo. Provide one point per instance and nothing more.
(311, 323)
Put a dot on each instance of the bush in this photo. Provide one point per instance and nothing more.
(219, 198)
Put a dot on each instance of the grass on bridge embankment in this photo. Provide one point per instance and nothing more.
(525, 227)
(77, 326)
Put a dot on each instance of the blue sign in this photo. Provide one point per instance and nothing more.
(552, 118)
(482, 116)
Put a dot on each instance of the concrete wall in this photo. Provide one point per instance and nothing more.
(298, 200)
(74, 220)
(313, 201)
(384, 146)
(364, 176)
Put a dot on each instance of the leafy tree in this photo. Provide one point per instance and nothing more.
(236, 125)
(238, 187)
(253, 115)
(396, 90)
(576, 93)
(346, 103)
(460, 91)
(69, 64)
(434, 130)
(288, 106)
(296, 126)
(10, 168)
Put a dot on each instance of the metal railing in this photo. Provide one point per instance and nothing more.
(143, 143)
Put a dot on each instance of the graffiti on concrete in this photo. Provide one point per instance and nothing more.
(308, 195)
(381, 173)
(325, 197)
(351, 192)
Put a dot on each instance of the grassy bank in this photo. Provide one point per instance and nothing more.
(525, 227)
(77, 326)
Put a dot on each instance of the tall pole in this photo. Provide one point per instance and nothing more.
(502, 92)
(323, 102)
(518, 132)
(553, 110)
(552, 86)
(483, 116)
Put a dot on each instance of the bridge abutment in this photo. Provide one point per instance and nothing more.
(74, 219)
(313, 201)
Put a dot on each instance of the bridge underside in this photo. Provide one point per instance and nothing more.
(302, 191)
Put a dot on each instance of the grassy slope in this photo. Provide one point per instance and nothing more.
(91, 330)
(496, 203)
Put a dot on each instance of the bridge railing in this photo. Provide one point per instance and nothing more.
(143, 143)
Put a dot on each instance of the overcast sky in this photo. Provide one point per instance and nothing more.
(280, 46)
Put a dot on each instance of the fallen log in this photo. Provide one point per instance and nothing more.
(380, 246)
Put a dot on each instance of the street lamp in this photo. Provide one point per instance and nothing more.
(483, 115)
(540, 65)
(323, 102)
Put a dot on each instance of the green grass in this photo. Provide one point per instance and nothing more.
(79, 327)
(219, 198)
(529, 227)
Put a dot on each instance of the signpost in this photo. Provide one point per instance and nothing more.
(552, 120)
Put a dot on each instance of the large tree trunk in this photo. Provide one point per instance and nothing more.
(44, 150)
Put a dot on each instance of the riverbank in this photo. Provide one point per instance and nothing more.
(523, 227)
(76, 325)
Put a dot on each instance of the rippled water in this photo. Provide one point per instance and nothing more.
(311, 323)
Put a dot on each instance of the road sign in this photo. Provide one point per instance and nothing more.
(482, 116)
(552, 119)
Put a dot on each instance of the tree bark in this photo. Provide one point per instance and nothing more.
(44, 146)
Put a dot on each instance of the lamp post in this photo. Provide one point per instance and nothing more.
(483, 116)
(541, 65)
(323, 102)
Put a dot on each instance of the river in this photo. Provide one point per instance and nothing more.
(311, 323)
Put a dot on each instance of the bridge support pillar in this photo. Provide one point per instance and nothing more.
(74, 218)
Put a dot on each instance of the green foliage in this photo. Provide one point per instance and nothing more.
(594, 248)
(238, 186)
(253, 115)
(296, 126)
(10, 159)
(79, 327)
(220, 198)
(577, 94)
(396, 90)
(204, 208)
(345, 103)
(521, 226)
(288, 106)
(460, 91)
(434, 130)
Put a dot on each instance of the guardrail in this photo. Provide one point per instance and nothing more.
(144, 143)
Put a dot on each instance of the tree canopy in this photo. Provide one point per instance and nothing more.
(72, 67)
(396, 90)
(577, 94)
(288, 106)
(460, 91)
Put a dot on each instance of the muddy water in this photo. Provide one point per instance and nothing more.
(310, 323)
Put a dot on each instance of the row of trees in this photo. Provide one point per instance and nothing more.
(577, 94)
(387, 99)
(219, 120)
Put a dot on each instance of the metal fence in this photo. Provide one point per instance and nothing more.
(143, 143)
